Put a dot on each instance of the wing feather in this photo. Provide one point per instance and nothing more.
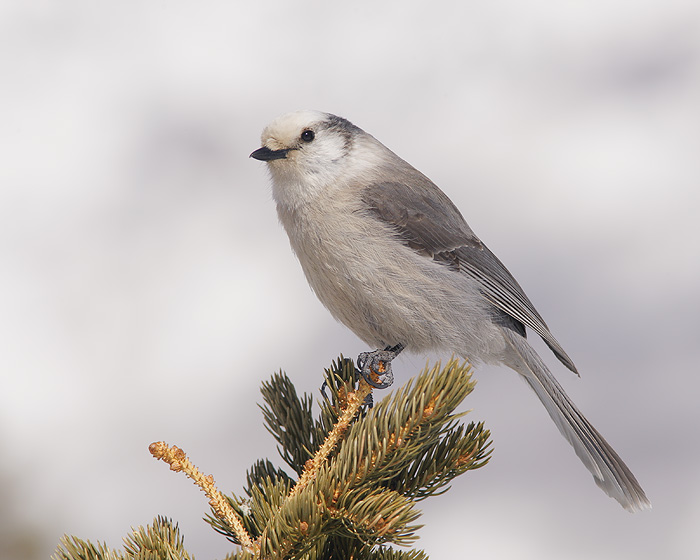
(427, 221)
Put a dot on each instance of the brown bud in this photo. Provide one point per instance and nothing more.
(157, 449)
(179, 454)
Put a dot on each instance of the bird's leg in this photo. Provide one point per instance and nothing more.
(375, 367)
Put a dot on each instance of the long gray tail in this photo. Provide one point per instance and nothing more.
(608, 470)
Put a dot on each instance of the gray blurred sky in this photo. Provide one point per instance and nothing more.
(146, 288)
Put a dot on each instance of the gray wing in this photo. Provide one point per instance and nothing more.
(428, 222)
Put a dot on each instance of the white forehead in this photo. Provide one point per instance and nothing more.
(290, 125)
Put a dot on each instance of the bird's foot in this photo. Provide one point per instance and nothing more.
(375, 367)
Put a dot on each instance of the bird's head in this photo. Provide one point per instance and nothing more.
(308, 152)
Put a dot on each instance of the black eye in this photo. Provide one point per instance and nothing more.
(308, 135)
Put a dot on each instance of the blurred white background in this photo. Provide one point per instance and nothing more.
(146, 288)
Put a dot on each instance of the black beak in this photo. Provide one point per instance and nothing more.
(266, 154)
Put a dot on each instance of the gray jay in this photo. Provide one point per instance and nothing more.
(393, 259)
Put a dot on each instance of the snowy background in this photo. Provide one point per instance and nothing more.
(146, 288)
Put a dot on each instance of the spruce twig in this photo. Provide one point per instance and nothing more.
(159, 540)
(354, 402)
(178, 461)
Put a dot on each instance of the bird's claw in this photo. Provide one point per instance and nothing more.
(375, 367)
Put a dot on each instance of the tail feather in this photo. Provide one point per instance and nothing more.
(608, 469)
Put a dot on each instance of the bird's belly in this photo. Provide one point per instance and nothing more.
(395, 295)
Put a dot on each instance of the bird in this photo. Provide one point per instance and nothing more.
(392, 258)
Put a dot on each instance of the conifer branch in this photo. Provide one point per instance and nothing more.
(178, 461)
(353, 403)
(359, 475)
(159, 540)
